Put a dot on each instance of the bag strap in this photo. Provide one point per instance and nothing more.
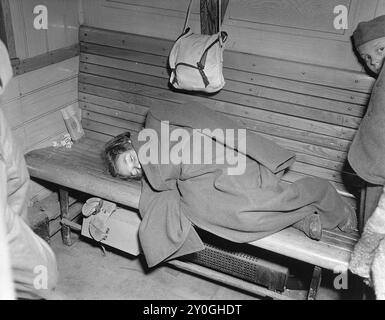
(220, 23)
(219, 17)
(187, 16)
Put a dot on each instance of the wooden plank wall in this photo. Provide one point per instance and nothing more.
(62, 32)
(32, 104)
(311, 110)
(33, 100)
(296, 30)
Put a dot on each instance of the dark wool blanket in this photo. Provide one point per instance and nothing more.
(241, 208)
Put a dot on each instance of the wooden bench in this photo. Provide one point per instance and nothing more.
(311, 110)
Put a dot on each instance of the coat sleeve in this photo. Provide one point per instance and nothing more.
(197, 116)
(164, 232)
(16, 171)
(7, 290)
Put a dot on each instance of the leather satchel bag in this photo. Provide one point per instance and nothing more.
(196, 60)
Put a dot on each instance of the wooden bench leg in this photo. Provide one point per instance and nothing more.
(315, 283)
(64, 214)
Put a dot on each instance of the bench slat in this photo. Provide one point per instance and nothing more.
(62, 170)
(112, 126)
(335, 78)
(340, 114)
(108, 129)
(236, 75)
(243, 106)
(134, 98)
(310, 89)
(139, 88)
(233, 86)
(90, 101)
(97, 135)
(253, 125)
(108, 111)
(276, 126)
(139, 104)
(293, 243)
(106, 119)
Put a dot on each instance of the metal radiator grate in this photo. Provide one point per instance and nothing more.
(242, 265)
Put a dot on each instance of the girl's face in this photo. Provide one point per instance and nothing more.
(128, 165)
(373, 53)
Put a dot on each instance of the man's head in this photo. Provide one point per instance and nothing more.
(121, 158)
(369, 40)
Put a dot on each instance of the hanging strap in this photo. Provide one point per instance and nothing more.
(220, 16)
(220, 23)
(189, 13)
(187, 16)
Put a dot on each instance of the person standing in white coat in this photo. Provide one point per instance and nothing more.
(28, 267)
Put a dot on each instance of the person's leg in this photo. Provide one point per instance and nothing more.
(312, 225)
(351, 224)
(33, 262)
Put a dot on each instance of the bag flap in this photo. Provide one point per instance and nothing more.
(190, 47)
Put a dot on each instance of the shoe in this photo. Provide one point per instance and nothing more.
(311, 226)
(350, 225)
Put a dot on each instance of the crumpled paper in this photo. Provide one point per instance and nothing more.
(66, 141)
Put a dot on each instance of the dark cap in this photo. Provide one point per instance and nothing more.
(369, 30)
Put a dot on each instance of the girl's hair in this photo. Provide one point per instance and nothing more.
(114, 148)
